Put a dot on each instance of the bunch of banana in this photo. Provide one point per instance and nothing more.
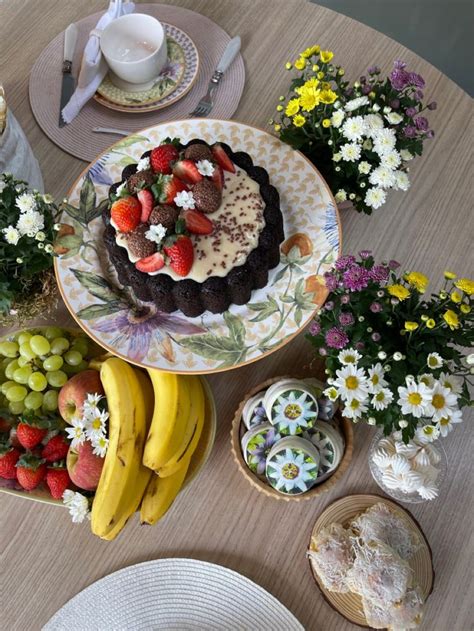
(176, 428)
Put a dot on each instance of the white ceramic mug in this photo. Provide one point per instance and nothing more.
(135, 49)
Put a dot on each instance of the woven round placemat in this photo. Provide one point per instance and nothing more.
(77, 138)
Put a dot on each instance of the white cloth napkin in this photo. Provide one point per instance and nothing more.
(93, 67)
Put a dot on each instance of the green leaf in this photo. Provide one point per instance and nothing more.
(99, 311)
(69, 241)
(236, 327)
(75, 213)
(96, 285)
(234, 359)
(212, 346)
(287, 299)
(125, 161)
(280, 274)
(87, 198)
(258, 306)
(97, 211)
(129, 140)
(299, 290)
(298, 315)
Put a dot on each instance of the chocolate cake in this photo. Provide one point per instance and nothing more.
(233, 246)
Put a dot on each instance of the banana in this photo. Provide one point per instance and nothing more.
(161, 493)
(170, 419)
(193, 429)
(124, 478)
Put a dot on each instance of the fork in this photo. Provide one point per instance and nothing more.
(205, 105)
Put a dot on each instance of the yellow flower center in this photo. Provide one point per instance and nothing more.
(375, 379)
(444, 421)
(433, 362)
(96, 423)
(352, 383)
(438, 401)
(289, 471)
(78, 432)
(355, 404)
(292, 411)
(380, 396)
(414, 398)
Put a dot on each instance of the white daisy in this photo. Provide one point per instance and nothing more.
(406, 155)
(383, 177)
(340, 196)
(349, 356)
(434, 360)
(205, 167)
(26, 202)
(290, 471)
(354, 408)
(402, 182)
(78, 505)
(11, 235)
(350, 106)
(391, 160)
(331, 393)
(442, 402)
(382, 399)
(156, 233)
(121, 189)
(427, 379)
(336, 157)
(351, 383)
(367, 145)
(95, 425)
(30, 223)
(185, 199)
(376, 378)
(384, 141)
(337, 118)
(92, 400)
(394, 118)
(451, 382)
(354, 128)
(100, 446)
(76, 433)
(445, 424)
(373, 123)
(350, 152)
(414, 399)
(364, 167)
(427, 434)
(143, 164)
(375, 197)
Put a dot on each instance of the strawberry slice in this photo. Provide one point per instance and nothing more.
(181, 255)
(196, 222)
(126, 213)
(222, 158)
(218, 177)
(151, 263)
(146, 200)
(161, 158)
(187, 171)
(168, 188)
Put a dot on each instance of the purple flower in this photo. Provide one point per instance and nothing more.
(399, 77)
(356, 278)
(394, 104)
(398, 64)
(366, 89)
(410, 131)
(364, 254)
(376, 307)
(360, 346)
(421, 123)
(329, 306)
(411, 111)
(260, 451)
(315, 328)
(432, 106)
(322, 351)
(345, 261)
(376, 337)
(392, 264)
(336, 338)
(418, 95)
(330, 281)
(346, 319)
(379, 273)
(373, 70)
(345, 299)
(363, 79)
(416, 80)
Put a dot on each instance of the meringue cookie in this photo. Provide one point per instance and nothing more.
(428, 491)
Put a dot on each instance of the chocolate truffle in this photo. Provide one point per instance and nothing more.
(206, 196)
(140, 180)
(138, 244)
(166, 215)
(198, 152)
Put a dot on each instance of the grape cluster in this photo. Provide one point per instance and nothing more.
(35, 364)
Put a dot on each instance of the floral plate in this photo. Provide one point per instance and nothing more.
(141, 334)
(175, 80)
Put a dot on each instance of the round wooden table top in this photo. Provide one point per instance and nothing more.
(220, 518)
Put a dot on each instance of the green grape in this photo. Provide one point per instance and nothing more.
(37, 381)
(26, 351)
(50, 400)
(82, 366)
(24, 337)
(80, 345)
(53, 331)
(5, 385)
(53, 362)
(40, 345)
(73, 358)
(59, 345)
(10, 369)
(33, 400)
(56, 378)
(16, 407)
(4, 363)
(9, 349)
(22, 361)
(16, 393)
(21, 375)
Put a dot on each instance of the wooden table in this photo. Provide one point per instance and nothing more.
(45, 559)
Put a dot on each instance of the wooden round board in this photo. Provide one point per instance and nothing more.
(343, 511)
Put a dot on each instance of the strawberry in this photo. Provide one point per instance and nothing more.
(58, 480)
(167, 189)
(30, 435)
(145, 198)
(161, 158)
(30, 471)
(126, 213)
(55, 449)
(187, 171)
(151, 263)
(181, 254)
(222, 158)
(218, 177)
(197, 223)
(8, 459)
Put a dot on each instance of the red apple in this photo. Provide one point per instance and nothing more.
(73, 394)
(84, 467)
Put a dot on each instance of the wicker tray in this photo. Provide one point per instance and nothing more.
(236, 434)
(344, 510)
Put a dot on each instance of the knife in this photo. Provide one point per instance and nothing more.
(68, 84)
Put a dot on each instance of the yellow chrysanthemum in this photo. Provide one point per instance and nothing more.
(326, 56)
(449, 275)
(451, 319)
(325, 86)
(399, 291)
(418, 281)
(466, 285)
(300, 64)
(465, 308)
(326, 122)
(309, 52)
(320, 75)
(277, 127)
(298, 120)
(309, 98)
(430, 323)
(315, 68)
(311, 83)
(279, 108)
(327, 96)
(456, 296)
(288, 65)
(293, 107)
(411, 326)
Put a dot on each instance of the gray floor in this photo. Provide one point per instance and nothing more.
(441, 31)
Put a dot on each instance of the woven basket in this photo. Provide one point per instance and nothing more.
(238, 429)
